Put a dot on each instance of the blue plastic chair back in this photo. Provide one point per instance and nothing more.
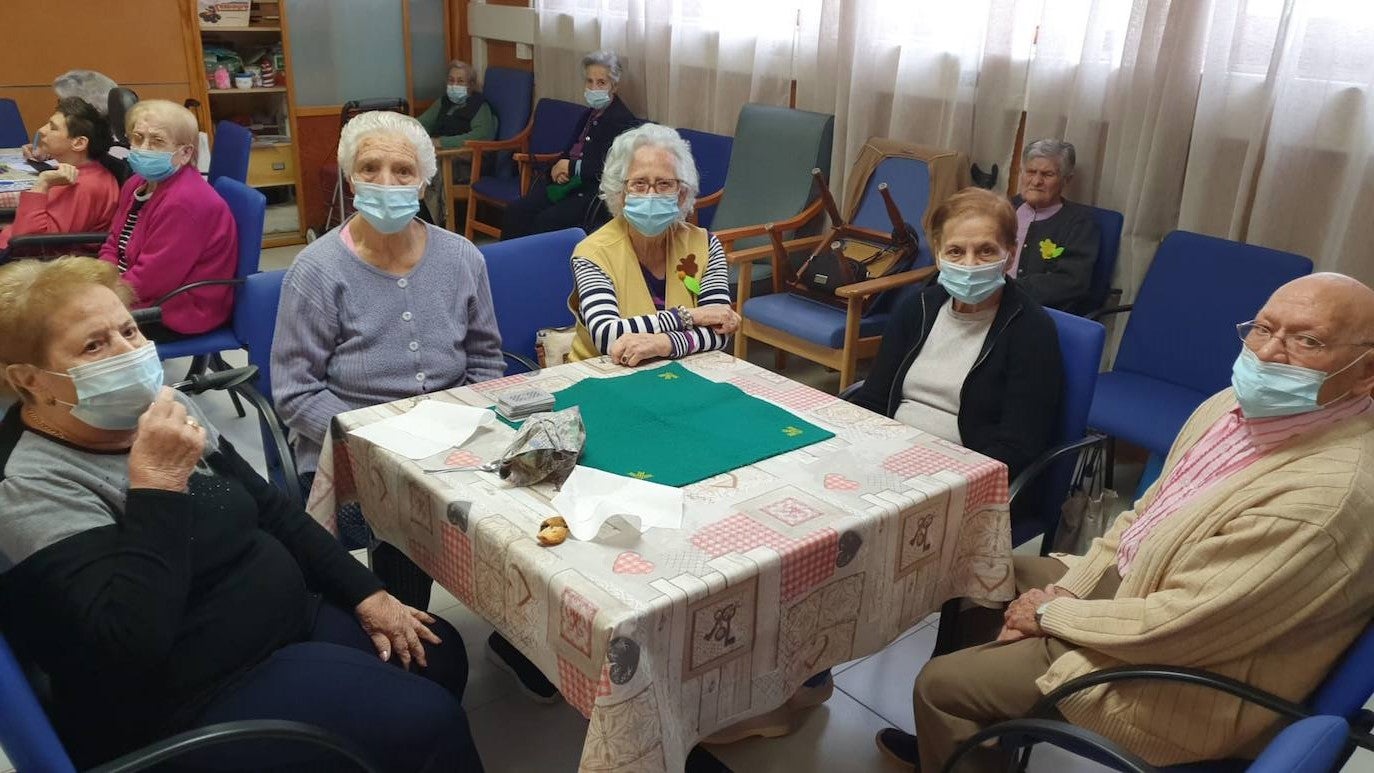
(1182, 329)
(12, 131)
(29, 739)
(908, 180)
(249, 208)
(1080, 352)
(510, 93)
(1351, 683)
(712, 154)
(229, 156)
(531, 280)
(1109, 224)
(255, 322)
(1312, 745)
(555, 121)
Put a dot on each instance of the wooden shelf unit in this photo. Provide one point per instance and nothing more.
(270, 166)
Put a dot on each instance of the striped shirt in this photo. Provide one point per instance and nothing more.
(601, 309)
(127, 231)
(1231, 444)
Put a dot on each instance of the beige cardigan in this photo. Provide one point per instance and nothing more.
(1265, 577)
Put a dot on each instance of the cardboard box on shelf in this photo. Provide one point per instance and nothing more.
(223, 13)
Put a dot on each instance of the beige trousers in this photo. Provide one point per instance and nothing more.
(957, 695)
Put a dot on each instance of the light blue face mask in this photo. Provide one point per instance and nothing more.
(972, 284)
(154, 165)
(388, 208)
(597, 98)
(651, 215)
(1266, 389)
(457, 94)
(112, 393)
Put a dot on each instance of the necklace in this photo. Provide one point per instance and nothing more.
(38, 423)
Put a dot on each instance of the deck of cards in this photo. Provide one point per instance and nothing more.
(516, 404)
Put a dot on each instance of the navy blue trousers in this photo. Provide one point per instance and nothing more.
(403, 721)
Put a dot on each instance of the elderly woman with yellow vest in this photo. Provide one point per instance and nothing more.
(649, 284)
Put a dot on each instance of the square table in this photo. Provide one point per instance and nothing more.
(781, 569)
(15, 178)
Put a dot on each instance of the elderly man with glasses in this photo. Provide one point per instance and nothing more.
(1252, 557)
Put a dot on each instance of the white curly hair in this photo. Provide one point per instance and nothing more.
(649, 135)
(387, 122)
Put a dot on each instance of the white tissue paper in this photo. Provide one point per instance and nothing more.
(428, 428)
(590, 496)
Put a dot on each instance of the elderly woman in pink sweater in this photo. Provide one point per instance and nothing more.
(171, 228)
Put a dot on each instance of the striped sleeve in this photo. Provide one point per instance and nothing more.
(600, 309)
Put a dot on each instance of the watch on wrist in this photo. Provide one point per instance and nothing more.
(684, 315)
(1040, 612)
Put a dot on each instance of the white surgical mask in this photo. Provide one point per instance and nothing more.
(114, 392)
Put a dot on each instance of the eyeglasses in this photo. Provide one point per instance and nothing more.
(642, 186)
(1256, 334)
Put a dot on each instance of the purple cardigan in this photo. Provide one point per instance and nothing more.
(185, 233)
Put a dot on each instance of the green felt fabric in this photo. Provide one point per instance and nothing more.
(669, 425)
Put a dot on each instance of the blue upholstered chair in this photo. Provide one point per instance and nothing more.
(546, 135)
(229, 156)
(712, 154)
(834, 337)
(1109, 225)
(1326, 728)
(510, 94)
(12, 131)
(1180, 340)
(531, 281)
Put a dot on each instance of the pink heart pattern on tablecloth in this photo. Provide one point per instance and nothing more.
(631, 562)
(837, 482)
(462, 458)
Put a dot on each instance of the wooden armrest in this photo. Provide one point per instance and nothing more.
(538, 158)
(482, 146)
(730, 235)
(709, 201)
(884, 283)
(466, 150)
(763, 251)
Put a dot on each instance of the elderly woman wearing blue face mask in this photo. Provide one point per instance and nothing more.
(461, 114)
(566, 195)
(650, 285)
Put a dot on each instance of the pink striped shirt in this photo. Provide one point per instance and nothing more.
(1230, 445)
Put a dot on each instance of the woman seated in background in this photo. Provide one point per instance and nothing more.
(163, 585)
(382, 308)
(81, 193)
(970, 359)
(88, 85)
(1057, 239)
(461, 114)
(650, 285)
(171, 228)
(567, 198)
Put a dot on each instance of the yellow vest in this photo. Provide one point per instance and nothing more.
(609, 247)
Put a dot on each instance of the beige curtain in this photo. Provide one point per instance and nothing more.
(685, 68)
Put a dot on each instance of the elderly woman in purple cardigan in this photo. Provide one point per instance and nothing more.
(381, 308)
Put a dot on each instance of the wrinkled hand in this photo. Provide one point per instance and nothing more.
(33, 153)
(717, 316)
(559, 173)
(633, 348)
(1019, 619)
(167, 446)
(395, 627)
(64, 174)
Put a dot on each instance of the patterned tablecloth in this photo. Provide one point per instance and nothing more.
(16, 177)
(780, 570)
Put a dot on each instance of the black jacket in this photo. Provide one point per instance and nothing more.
(602, 130)
(456, 119)
(1009, 405)
(1060, 281)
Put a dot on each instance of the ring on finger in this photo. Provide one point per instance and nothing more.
(192, 423)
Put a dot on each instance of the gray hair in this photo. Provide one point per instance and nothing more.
(614, 64)
(459, 64)
(649, 135)
(89, 85)
(387, 122)
(1059, 151)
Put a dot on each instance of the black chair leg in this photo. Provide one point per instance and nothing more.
(1109, 474)
(947, 635)
(217, 363)
(199, 364)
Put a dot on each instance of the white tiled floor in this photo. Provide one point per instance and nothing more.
(515, 734)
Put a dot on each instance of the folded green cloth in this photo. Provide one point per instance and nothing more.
(668, 425)
(557, 192)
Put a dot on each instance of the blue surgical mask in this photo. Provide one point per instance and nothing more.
(154, 165)
(112, 393)
(972, 284)
(597, 98)
(388, 208)
(651, 215)
(457, 94)
(1266, 389)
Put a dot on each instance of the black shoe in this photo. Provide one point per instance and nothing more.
(899, 746)
(527, 675)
